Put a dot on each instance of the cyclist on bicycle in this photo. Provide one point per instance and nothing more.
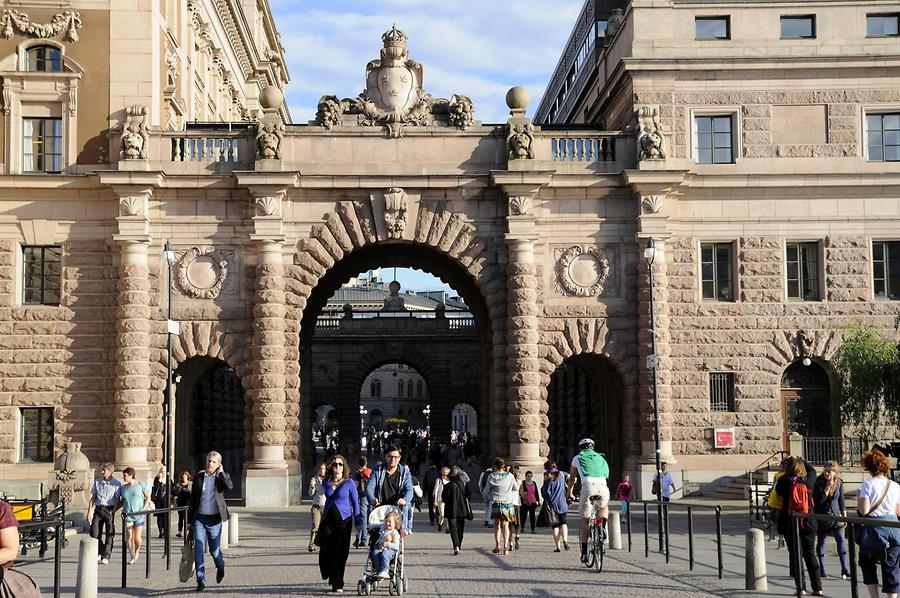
(593, 470)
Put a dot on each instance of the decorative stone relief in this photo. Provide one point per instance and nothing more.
(520, 140)
(64, 25)
(269, 140)
(395, 212)
(133, 205)
(324, 372)
(394, 96)
(519, 205)
(584, 271)
(136, 133)
(269, 205)
(70, 479)
(650, 139)
(652, 204)
(201, 272)
(614, 23)
(805, 342)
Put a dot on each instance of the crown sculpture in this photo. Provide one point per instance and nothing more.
(394, 96)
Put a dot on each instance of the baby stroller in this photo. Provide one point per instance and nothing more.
(397, 579)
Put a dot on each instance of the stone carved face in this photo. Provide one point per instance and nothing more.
(395, 88)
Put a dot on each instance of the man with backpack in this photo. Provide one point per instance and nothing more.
(361, 477)
(794, 488)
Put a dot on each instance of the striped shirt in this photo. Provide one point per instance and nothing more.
(106, 493)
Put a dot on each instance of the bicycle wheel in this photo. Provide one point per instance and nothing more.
(589, 557)
(597, 542)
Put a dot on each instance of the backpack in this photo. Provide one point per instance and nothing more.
(799, 500)
(361, 481)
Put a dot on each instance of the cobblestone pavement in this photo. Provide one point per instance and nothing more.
(271, 560)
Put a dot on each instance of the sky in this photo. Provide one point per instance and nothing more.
(411, 279)
(478, 48)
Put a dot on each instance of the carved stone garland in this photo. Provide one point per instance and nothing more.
(201, 272)
(64, 25)
(583, 271)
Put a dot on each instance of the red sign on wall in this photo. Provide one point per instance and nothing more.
(723, 438)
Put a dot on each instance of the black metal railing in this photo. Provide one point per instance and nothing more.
(167, 552)
(662, 514)
(59, 527)
(820, 449)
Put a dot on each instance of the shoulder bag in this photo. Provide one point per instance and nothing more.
(469, 514)
(17, 584)
(186, 565)
(869, 537)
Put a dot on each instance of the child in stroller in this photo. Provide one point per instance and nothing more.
(384, 560)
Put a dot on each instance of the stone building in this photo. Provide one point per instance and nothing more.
(541, 230)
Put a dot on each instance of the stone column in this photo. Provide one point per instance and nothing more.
(132, 381)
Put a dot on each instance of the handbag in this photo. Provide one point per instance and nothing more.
(869, 537)
(17, 584)
(469, 514)
(547, 517)
(186, 565)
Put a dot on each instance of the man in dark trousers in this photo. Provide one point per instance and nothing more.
(106, 497)
(428, 482)
(206, 515)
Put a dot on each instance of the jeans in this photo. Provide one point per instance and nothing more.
(364, 511)
(381, 559)
(316, 514)
(207, 528)
(841, 541)
(808, 554)
(103, 527)
(623, 509)
(890, 579)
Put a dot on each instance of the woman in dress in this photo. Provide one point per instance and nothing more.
(455, 496)
(135, 498)
(879, 498)
(341, 510)
(554, 493)
(502, 486)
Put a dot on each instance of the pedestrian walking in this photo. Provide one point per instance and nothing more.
(135, 498)
(456, 497)
(390, 482)
(516, 526)
(530, 498)
(161, 490)
(555, 495)
(106, 495)
(428, 481)
(483, 487)
(361, 478)
(879, 498)
(624, 491)
(317, 497)
(663, 490)
(828, 499)
(340, 512)
(796, 498)
(207, 513)
(501, 489)
(414, 505)
(437, 496)
(183, 499)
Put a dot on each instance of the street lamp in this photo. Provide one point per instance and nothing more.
(650, 254)
(427, 413)
(171, 328)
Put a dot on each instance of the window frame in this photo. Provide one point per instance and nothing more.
(729, 403)
(879, 111)
(810, 17)
(24, 288)
(886, 261)
(896, 17)
(28, 142)
(732, 271)
(735, 113)
(21, 434)
(58, 60)
(709, 18)
(818, 252)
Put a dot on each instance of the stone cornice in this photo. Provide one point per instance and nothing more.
(812, 180)
(233, 21)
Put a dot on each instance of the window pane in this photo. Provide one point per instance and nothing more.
(882, 25)
(704, 156)
(51, 297)
(708, 290)
(722, 124)
(723, 156)
(722, 140)
(703, 125)
(712, 28)
(794, 288)
(797, 26)
(892, 153)
(875, 153)
(891, 122)
(706, 253)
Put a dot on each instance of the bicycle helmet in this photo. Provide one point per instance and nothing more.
(585, 443)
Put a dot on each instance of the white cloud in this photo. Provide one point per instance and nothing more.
(474, 47)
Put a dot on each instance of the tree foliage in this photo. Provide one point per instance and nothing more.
(867, 365)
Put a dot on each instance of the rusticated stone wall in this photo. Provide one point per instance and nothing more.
(60, 356)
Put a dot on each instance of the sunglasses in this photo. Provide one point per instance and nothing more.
(393, 456)
(337, 464)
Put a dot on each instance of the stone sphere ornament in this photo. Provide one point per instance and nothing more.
(517, 98)
(271, 98)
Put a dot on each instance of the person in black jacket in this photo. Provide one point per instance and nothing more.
(162, 487)
(455, 496)
(183, 499)
(828, 498)
(795, 473)
(206, 515)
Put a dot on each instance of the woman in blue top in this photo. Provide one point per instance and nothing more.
(554, 493)
(135, 498)
(341, 501)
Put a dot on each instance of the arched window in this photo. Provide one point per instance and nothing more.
(45, 59)
(419, 389)
(376, 388)
(400, 388)
(409, 388)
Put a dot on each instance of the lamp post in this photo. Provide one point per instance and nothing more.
(427, 413)
(363, 412)
(171, 328)
(650, 254)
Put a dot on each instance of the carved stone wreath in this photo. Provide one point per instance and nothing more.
(201, 272)
(583, 271)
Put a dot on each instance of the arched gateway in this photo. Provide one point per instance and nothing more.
(531, 227)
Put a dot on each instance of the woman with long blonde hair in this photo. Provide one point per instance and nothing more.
(828, 499)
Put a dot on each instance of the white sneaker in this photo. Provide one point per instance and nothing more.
(99, 558)
(104, 562)
(383, 575)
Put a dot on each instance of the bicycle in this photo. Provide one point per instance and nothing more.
(596, 538)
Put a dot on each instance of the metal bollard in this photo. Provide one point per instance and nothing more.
(233, 533)
(86, 582)
(755, 562)
(614, 523)
(223, 537)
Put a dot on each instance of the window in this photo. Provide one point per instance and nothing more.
(400, 388)
(713, 27)
(798, 27)
(883, 25)
(803, 271)
(716, 271)
(721, 391)
(42, 144)
(713, 139)
(883, 137)
(886, 269)
(376, 388)
(41, 275)
(45, 59)
(36, 434)
(419, 389)
(409, 391)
